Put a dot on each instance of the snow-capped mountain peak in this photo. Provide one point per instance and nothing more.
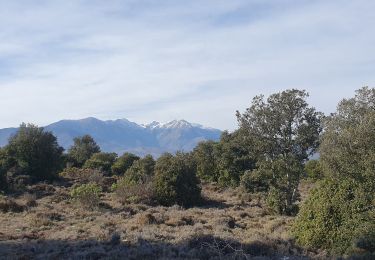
(153, 124)
(177, 124)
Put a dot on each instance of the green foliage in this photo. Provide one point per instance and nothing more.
(205, 156)
(234, 158)
(123, 163)
(257, 180)
(82, 150)
(282, 124)
(140, 171)
(4, 166)
(101, 161)
(314, 170)
(337, 216)
(225, 161)
(87, 195)
(283, 193)
(176, 181)
(35, 151)
(147, 165)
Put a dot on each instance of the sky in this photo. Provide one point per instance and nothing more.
(198, 60)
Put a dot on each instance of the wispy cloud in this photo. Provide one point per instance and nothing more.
(158, 60)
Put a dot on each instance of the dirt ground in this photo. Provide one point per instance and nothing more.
(45, 224)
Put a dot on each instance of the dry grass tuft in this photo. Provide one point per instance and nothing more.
(10, 205)
(29, 200)
(146, 219)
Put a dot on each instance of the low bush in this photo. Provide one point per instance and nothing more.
(129, 191)
(339, 217)
(10, 205)
(83, 175)
(86, 195)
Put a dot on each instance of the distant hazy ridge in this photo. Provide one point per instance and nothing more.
(122, 135)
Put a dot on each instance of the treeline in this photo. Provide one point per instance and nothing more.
(268, 154)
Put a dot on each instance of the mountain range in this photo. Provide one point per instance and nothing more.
(122, 135)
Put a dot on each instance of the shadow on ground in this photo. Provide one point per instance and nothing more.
(202, 247)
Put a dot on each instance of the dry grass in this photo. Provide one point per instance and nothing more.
(228, 225)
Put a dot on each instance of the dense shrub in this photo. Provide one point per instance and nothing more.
(206, 158)
(36, 152)
(176, 181)
(314, 170)
(86, 195)
(101, 161)
(123, 163)
(278, 179)
(147, 164)
(233, 158)
(338, 216)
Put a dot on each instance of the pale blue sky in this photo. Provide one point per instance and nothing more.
(199, 60)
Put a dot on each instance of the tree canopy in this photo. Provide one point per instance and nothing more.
(35, 151)
(82, 150)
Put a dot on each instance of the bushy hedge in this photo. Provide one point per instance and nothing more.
(338, 216)
(256, 181)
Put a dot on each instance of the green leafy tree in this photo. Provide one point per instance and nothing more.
(282, 129)
(123, 163)
(101, 161)
(36, 152)
(175, 180)
(82, 150)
